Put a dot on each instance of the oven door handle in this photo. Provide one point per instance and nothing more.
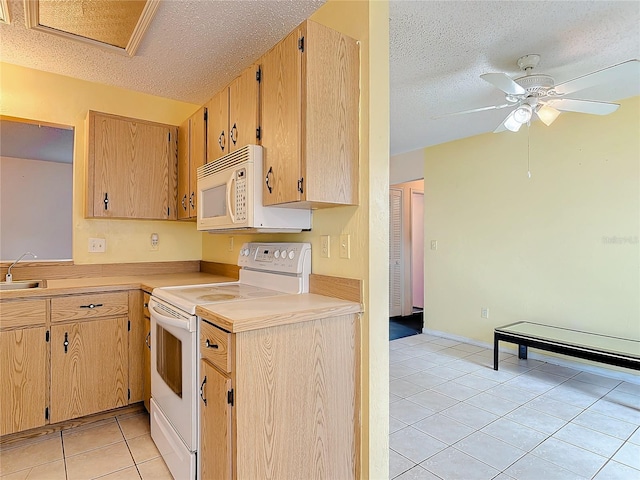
(183, 324)
(231, 200)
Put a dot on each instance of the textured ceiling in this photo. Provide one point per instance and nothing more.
(438, 49)
(190, 51)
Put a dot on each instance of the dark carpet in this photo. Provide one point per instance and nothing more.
(400, 327)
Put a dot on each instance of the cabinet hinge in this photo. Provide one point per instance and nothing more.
(300, 182)
(46, 336)
(128, 325)
(259, 75)
(169, 136)
(206, 114)
(128, 394)
(301, 44)
(46, 413)
(258, 133)
(168, 211)
(230, 397)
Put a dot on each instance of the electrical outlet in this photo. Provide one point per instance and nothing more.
(97, 245)
(325, 246)
(434, 244)
(230, 248)
(155, 242)
(345, 245)
(484, 312)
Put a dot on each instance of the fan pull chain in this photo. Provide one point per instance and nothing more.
(528, 151)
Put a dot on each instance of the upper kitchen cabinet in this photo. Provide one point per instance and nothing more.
(192, 153)
(131, 169)
(309, 104)
(232, 115)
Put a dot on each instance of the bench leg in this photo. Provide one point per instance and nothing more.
(495, 352)
(522, 352)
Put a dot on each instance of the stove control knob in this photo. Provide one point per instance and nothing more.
(284, 254)
(291, 254)
(276, 254)
(245, 252)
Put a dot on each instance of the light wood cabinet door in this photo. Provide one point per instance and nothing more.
(215, 424)
(89, 367)
(218, 125)
(310, 119)
(147, 364)
(132, 168)
(184, 169)
(243, 109)
(281, 121)
(23, 379)
(192, 153)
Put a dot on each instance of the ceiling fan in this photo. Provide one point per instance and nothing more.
(536, 93)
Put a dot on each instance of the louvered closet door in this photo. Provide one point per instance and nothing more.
(395, 252)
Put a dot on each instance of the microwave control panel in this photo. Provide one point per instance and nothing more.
(241, 195)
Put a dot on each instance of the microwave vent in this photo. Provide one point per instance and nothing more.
(248, 153)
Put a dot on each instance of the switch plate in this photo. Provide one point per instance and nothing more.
(97, 245)
(345, 245)
(484, 312)
(434, 244)
(325, 246)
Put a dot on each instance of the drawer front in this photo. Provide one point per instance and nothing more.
(145, 304)
(23, 313)
(214, 346)
(94, 305)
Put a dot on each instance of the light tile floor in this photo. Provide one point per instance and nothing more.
(453, 417)
(118, 448)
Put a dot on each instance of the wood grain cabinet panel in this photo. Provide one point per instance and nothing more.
(215, 418)
(132, 168)
(309, 104)
(214, 346)
(89, 371)
(146, 359)
(233, 116)
(23, 379)
(86, 306)
(22, 313)
(192, 153)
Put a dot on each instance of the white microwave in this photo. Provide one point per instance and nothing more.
(230, 197)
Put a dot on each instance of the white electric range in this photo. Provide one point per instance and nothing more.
(267, 269)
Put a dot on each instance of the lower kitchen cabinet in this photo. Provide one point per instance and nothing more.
(89, 367)
(288, 408)
(215, 418)
(23, 379)
(146, 357)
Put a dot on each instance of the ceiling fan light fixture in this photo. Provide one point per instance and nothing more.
(511, 123)
(547, 114)
(523, 113)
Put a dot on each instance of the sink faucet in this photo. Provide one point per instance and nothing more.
(8, 277)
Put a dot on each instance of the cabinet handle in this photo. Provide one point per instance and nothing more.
(184, 202)
(106, 201)
(233, 134)
(147, 338)
(204, 381)
(191, 198)
(92, 305)
(221, 141)
(145, 305)
(267, 179)
(208, 344)
(66, 342)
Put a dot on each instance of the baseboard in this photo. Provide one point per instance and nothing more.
(552, 359)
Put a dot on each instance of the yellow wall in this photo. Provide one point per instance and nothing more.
(559, 248)
(37, 95)
(367, 224)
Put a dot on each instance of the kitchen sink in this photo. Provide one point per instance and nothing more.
(23, 284)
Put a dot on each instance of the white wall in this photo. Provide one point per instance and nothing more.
(406, 167)
(41, 225)
(559, 248)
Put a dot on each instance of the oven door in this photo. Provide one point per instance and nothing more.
(174, 369)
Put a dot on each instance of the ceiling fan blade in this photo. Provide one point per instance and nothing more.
(504, 83)
(630, 68)
(583, 106)
(510, 123)
(547, 114)
(481, 109)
